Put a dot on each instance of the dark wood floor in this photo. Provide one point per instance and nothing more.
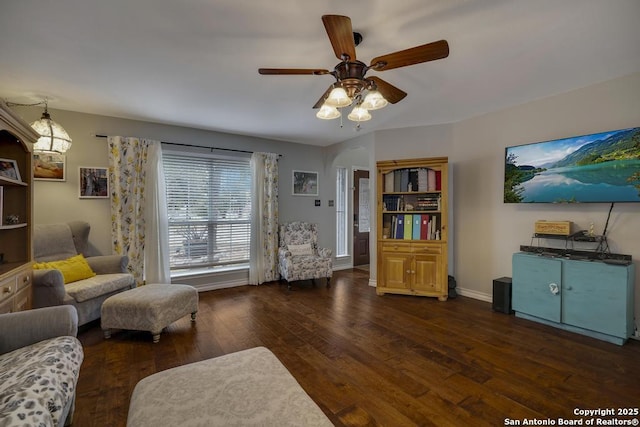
(375, 360)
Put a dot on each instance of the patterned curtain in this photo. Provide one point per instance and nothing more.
(127, 174)
(264, 219)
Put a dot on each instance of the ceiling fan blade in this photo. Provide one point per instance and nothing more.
(389, 91)
(323, 97)
(414, 55)
(289, 71)
(340, 34)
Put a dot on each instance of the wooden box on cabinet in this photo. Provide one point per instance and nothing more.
(412, 227)
(16, 141)
(587, 297)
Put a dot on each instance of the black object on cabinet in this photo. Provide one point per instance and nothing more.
(502, 295)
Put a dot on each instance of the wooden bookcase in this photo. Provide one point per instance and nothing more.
(412, 227)
(16, 201)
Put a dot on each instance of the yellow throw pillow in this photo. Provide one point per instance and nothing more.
(72, 269)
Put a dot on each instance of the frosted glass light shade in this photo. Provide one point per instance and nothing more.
(327, 112)
(359, 114)
(53, 137)
(374, 101)
(338, 98)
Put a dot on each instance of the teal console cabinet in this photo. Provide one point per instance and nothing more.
(588, 297)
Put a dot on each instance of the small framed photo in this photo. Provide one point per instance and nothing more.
(9, 170)
(94, 183)
(50, 167)
(305, 183)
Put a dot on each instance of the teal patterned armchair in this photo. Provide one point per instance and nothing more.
(299, 257)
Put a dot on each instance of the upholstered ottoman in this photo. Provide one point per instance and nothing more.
(150, 308)
(248, 388)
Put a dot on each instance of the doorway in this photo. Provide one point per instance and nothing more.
(361, 217)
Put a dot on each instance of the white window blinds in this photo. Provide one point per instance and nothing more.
(209, 207)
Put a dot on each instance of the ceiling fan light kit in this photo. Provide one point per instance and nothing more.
(338, 98)
(328, 112)
(374, 101)
(359, 114)
(351, 84)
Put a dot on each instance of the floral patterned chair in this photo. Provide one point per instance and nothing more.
(299, 257)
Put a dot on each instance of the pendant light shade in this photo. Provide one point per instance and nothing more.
(338, 98)
(359, 114)
(328, 112)
(374, 101)
(53, 137)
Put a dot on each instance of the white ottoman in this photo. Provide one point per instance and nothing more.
(150, 308)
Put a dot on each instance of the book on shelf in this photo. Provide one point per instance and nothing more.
(427, 203)
(409, 180)
(404, 179)
(424, 226)
(393, 202)
(408, 227)
(412, 226)
(388, 182)
(423, 178)
(397, 178)
(399, 226)
(417, 221)
(431, 183)
(413, 180)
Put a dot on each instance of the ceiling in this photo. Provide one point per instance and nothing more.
(195, 63)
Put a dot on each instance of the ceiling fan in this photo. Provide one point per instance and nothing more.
(351, 83)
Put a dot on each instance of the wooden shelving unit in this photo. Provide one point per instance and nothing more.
(16, 200)
(412, 227)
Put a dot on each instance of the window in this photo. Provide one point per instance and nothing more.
(209, 207)
(341, 212)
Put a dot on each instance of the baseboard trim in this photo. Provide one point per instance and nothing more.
(474, 294)
(220, 285)
(373, 283)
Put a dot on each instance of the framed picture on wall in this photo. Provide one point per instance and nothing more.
(305, 183)
(49, 167)
(93, 183)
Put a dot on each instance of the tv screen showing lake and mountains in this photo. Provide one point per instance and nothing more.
(598, 168)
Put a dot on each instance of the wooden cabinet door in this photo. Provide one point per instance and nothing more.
(396, 268)
(22, 299)
(537, 286)
(426, 273)
(595, 297)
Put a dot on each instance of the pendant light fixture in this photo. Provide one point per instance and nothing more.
(53, 137)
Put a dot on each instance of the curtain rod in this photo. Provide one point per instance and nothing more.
(193, 145)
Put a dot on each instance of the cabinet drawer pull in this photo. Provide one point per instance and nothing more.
(553, 288)
(26, 279)
(6, 290)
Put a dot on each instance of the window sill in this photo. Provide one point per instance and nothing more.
(201, 272)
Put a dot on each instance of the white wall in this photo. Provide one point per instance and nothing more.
(488, 231)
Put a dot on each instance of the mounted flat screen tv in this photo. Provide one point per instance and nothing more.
(597, 168)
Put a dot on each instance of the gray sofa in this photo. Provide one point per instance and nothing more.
(55, 242)
(40, 360)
